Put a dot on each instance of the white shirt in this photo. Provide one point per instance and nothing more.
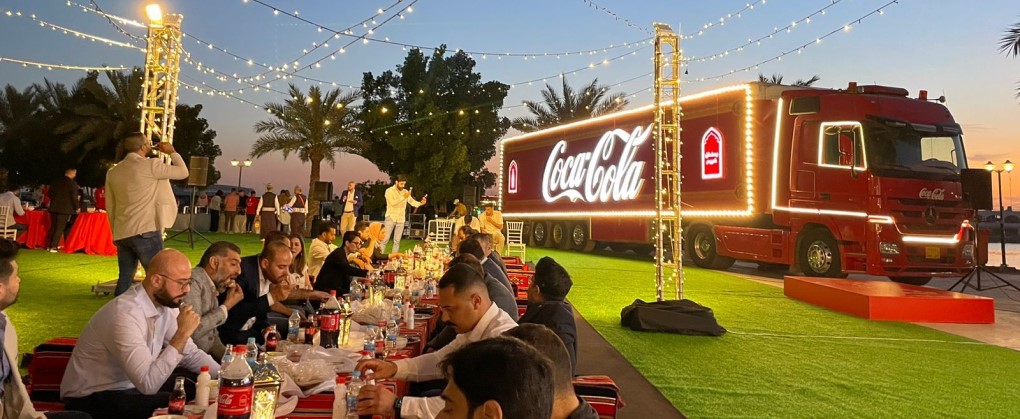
(317, 253)
(396, 204)
(426, 367)
(497, 217)
(126, 345)
(9, 199)
(138, 194)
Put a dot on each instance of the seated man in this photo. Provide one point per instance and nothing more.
(498, 292)
(465, 305)
(460, 234)
(128, 350)
(475, 245)
(492, 257)
(337, 272)
(548, 289)
(566, 404)
(264, 281)
(501, 377)
(322, 245)
(215, 274)
(11, 199)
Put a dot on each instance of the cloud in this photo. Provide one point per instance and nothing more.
(972, 128)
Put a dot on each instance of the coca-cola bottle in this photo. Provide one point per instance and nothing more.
(329, 322)
(237, 388)
(272, 338)
(178, 398)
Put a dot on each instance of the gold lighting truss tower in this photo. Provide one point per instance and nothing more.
(668, 256)
(162, 65)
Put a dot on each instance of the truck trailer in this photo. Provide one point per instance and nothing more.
(826, 181)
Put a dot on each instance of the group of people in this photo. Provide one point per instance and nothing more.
(63, 199)
(237, 212)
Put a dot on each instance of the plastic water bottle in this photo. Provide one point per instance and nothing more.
(369, 345)
(202, 387)
(392, 331)
(340, 398)
(409, 316)
(293, 325)
(251, 352)
(228, 356)
(352, 394)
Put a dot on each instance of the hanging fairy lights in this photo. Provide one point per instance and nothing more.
(617, 17)
(68, 31)
(722, 20)
(51, 66)
(758, 41)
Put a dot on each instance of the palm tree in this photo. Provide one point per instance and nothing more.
(593, 100)
(1010, 45)
(778, 79)
(104, 114)
(17, 108)
(315, 127)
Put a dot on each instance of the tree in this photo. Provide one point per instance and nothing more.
(558, 109)
(192, 137)
(1010, 45)
(315, 127)
(373, 196)
(434, 121)
(778, 79)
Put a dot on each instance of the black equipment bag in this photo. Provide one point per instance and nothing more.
(683, 317)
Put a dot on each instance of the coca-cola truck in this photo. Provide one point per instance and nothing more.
(826, 181)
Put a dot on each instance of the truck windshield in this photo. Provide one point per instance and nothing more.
(905, 152)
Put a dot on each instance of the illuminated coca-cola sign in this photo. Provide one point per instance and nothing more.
(606, 173)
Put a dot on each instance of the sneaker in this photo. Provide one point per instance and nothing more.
(53, 250)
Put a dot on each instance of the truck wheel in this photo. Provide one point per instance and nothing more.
(819, 255)
(539, 233)
(558, 235)
(701, 247)
(579, 239)
(911, 280)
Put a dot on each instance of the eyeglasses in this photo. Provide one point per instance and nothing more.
(183, 283)
(358, 243)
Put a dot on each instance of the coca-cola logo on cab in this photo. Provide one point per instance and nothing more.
(937, 194)
(606, 173)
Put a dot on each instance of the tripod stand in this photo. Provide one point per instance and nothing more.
(976, 273)
(191, 223)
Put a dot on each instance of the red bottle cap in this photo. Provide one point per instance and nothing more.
(205, 368)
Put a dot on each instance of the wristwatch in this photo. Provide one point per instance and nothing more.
(396, 406)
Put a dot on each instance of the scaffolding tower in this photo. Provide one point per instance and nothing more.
(159, 87)
(668, 252)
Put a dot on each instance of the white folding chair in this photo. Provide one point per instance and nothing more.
(440, 231)
(515, 238)
(7, 232)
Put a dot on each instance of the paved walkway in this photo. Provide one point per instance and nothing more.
(596, 356)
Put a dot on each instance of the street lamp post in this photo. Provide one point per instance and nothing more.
(240, 165)
(1008, 167)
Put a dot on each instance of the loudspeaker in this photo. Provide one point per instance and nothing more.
(977, 188)
(470, 199)
(198, 171)
(322, 191)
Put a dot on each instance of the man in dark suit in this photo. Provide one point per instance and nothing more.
(546, 305)
(337, 272)
(350, 207)
(264, 280)
(63, 203)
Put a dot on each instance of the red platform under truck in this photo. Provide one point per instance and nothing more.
(829, 182)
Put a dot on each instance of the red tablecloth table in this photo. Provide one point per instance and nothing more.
(91, 233)
(38, 222)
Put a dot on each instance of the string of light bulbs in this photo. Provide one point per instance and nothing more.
(845, 28)
(111, 19)
(757, 42)
(51, 66)
(722, 20)
(617, 17)
(68, 31)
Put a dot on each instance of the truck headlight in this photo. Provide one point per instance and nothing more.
(887, 248)
(968, 251)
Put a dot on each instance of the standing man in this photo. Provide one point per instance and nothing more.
(215, 205)
(251, 209)
(322, 245)
(63, 203)
(397, 199)
(230, 209)
(242, 207)
(269, 207)
(351, 200)
(123, 362)
(214, 275)
(141, 204)
(492, 223)
(14, 401)
(299, 209)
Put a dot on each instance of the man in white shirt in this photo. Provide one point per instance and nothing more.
(492, 223)
(140, 204)
(123, 362)
(397, 199)
(11, 200)
(466, 306)
(322, 245)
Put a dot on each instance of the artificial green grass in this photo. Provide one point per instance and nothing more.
(784, 358)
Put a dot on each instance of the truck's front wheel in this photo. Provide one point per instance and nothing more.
(819, 255)
(539, 233)
(701, 247)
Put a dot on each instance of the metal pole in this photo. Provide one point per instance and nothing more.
(240, 168)
(1002, 224)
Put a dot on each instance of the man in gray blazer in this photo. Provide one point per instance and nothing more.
(214, 275)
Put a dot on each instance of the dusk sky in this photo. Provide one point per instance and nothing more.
(946, 47)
